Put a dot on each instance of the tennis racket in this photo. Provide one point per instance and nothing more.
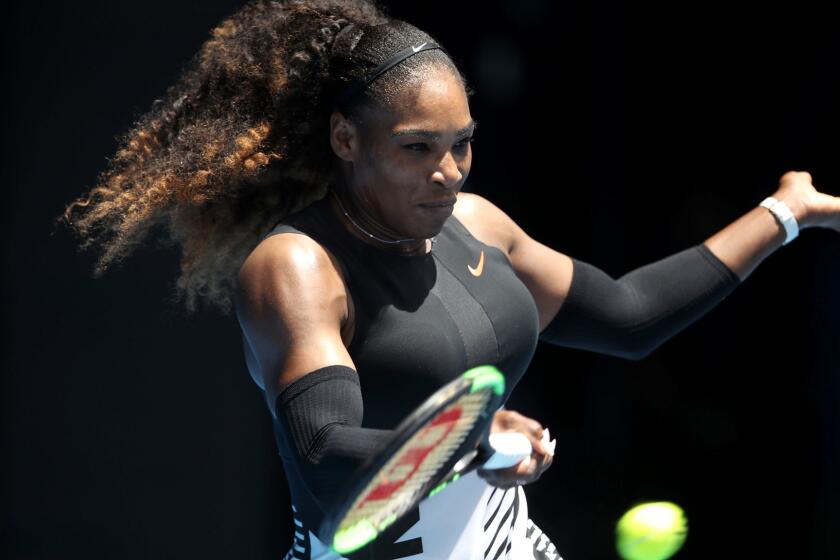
(442, 440)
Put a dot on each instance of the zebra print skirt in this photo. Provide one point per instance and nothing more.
(502, 529)
(469, 520)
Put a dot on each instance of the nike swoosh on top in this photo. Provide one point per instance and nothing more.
(417, 48)
(478, 269)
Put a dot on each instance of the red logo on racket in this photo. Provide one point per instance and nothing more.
(411, 459)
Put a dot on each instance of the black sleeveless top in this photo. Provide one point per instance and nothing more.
(422, 320)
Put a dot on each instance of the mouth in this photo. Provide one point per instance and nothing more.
(448, 203)
(440, 210)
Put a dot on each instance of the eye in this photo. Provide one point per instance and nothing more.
(463, 143)
(421, 147)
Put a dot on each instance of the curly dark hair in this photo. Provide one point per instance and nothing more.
(241, 140)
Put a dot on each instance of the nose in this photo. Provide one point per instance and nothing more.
(448, 174)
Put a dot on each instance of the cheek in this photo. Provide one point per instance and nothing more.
(400, 173)
(388, 162)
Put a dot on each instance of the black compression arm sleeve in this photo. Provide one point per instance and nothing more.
(321, 417)
(630, 317)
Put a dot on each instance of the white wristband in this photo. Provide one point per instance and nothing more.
(784, 216)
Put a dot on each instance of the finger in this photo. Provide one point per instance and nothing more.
(538, 470)
(535, 437)
(537, 429)
(531, 466)
(536, 445)
(525, 466)
(546, 463)
(543, 465)
(529, 425)
(547, 443)
(535, 432)
(539, 441)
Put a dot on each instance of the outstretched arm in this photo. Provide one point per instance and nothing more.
(581, 306)
(632, 316)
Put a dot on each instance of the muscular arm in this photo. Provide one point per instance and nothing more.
(291, 303)
(653, 303)
(581, 306)
(321, 415)
(631, 316)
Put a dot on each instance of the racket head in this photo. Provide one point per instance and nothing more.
(426, 446)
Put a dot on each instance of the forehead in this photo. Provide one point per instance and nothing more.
(436, 104)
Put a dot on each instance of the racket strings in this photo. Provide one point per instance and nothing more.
(420, 458)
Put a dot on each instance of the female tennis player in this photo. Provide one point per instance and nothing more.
(310, 163)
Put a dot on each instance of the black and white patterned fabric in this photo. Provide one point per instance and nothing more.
(469, 520)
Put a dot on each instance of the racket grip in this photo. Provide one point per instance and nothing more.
(508, 449)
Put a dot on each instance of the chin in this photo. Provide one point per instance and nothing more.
(434, 219)
(432, 231)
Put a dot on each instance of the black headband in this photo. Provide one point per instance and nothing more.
(359, 84)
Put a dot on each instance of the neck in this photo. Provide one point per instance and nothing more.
(360, 223)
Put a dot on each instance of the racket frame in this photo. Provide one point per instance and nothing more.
(470, 453)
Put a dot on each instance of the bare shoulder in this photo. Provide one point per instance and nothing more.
(291, 303)
(545, 271)
(485, 221)
(286, 261)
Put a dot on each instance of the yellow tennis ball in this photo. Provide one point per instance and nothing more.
(651, 531)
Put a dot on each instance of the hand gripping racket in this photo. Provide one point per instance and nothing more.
(442, 440)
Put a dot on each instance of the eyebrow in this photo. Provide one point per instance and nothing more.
(434, 135)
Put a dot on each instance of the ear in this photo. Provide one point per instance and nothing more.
(344, 137)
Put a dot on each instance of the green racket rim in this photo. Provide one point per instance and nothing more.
(355, 537)
(484, 376)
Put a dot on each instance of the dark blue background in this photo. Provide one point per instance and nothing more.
(614, 133)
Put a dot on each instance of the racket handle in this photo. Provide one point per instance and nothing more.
(508, 449)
